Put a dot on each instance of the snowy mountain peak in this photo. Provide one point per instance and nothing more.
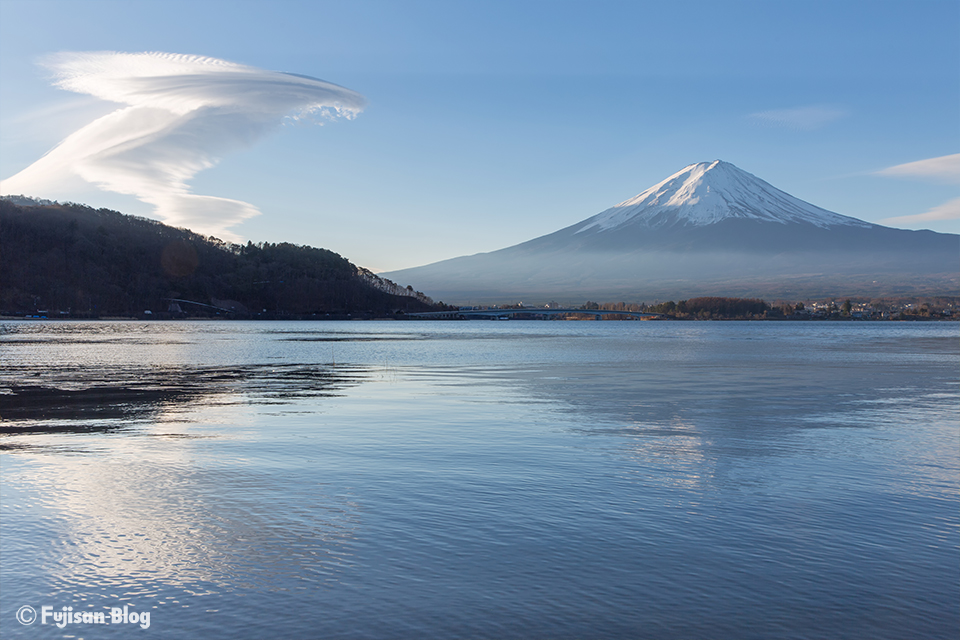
(709, 192)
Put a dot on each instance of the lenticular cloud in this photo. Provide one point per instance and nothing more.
(181, 114)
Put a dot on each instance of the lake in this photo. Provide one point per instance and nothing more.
(480, 479)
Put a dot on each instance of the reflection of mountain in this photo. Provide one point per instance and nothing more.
(709, 229)
(112, 398)
(705, 404)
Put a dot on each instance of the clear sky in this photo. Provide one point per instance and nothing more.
(484, 124)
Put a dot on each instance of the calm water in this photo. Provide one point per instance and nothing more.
(482, 479)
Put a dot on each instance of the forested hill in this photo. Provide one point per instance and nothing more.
(72, 260)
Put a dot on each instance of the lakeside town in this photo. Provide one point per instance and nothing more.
(723, 308)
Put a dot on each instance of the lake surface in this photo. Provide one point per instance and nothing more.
(481, 479)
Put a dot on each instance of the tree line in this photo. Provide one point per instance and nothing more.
(705, 308)
(725, 308)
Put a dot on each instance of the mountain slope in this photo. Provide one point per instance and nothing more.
(92, 263)
(709, 229)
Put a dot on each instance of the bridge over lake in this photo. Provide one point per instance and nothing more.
(543, 313)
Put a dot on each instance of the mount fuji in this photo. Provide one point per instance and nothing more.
(709, 229)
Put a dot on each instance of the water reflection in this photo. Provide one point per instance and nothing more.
(141, 529)
(109, 398)
(472, 481)
(171, 510)
(741, 422)
(190, 500)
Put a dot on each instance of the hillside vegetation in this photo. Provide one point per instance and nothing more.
(70, 259)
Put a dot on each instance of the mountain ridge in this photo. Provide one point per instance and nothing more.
(709, 229)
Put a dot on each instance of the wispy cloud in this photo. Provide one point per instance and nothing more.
(181, 114)
(801, 118)
(949, 210)
(941, 169)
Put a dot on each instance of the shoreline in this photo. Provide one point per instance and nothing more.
(10, 318)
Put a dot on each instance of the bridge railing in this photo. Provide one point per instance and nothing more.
(496, 313)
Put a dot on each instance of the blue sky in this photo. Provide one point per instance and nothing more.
(490, 123)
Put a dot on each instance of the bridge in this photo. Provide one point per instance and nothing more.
(505, 314)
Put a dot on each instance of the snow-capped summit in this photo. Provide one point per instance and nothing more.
(707, 193)
(709, 229)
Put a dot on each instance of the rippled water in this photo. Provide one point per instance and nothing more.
(482, 479)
